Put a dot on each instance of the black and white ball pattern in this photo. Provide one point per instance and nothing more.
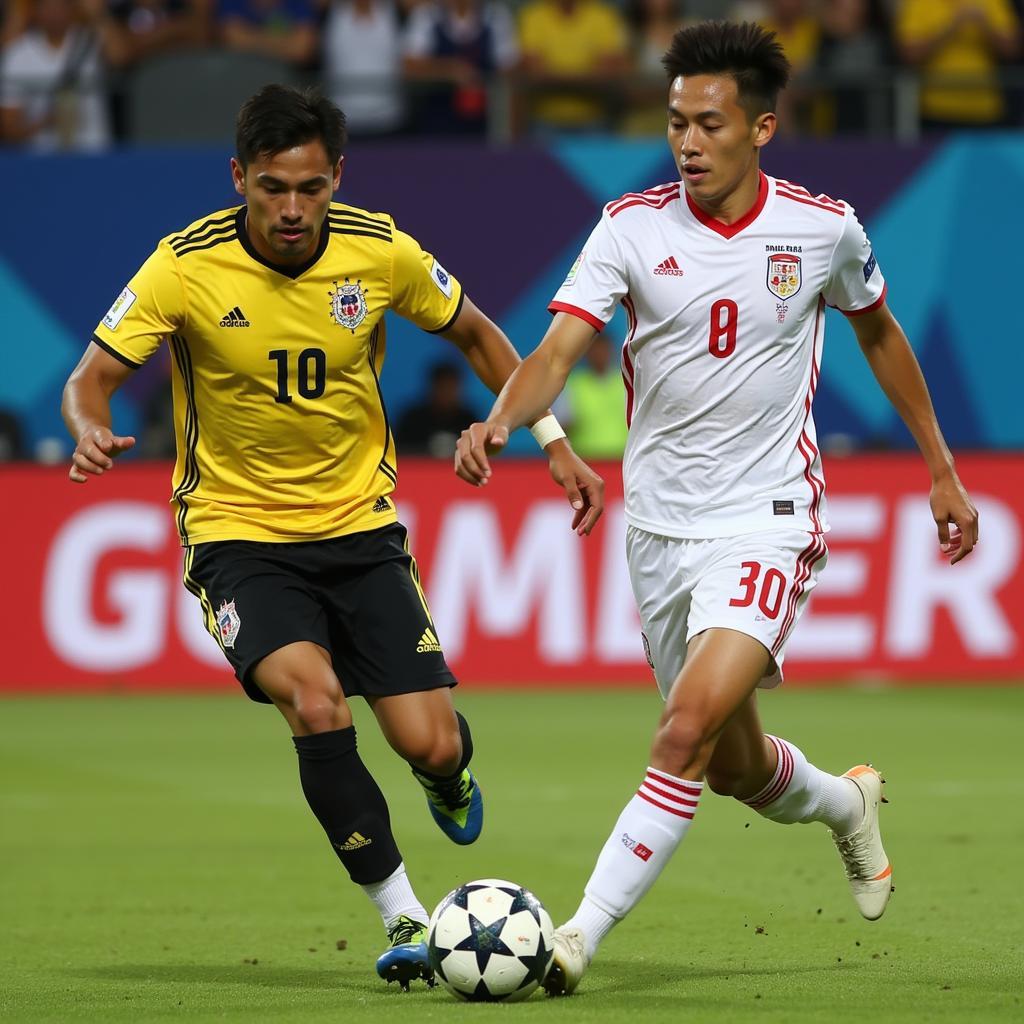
(490, 940)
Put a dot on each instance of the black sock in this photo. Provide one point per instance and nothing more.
(467, 753)
(348, 804)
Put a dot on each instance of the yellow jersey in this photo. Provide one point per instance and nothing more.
(280, 424)
(960, 79)
(571, 43)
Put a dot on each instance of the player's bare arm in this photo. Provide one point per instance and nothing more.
(496, 363)
(86, 411)
(534, 385)
(896, 369)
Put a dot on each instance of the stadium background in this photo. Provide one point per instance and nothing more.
(885, 609)
(158, 859)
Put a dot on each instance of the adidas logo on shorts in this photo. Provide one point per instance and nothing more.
(428, 643)
(356, 841)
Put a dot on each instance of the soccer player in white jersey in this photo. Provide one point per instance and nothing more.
(724, 276)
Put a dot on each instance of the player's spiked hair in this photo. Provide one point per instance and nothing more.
(279, 117)
(749, 54)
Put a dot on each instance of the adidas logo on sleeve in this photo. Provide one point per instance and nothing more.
(428, 643)
(234, 318)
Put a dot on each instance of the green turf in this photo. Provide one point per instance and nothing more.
(158, 862)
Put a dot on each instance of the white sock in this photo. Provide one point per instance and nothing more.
(646, 835)
(394, 898)
(799, 792)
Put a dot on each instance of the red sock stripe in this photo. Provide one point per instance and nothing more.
(778, 785)
(649, 787)
(665, 807)
(653, 775)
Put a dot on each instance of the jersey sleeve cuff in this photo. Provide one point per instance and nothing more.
(455, 316)
(120, 357)
(565, 307)
(868, 309)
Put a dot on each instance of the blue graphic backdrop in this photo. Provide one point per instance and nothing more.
(945, 221)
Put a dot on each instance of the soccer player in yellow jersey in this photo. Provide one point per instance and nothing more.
(274, 312)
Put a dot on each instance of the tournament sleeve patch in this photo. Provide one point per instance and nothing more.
(869, 267)
(570, 278)
(117, 311)
(442, 279)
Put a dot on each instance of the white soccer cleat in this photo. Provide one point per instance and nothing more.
(867, 867)
(569, 963)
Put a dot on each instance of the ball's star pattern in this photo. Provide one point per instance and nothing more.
(536, 964)
(523, 899)
(485, 941)
(461, 897)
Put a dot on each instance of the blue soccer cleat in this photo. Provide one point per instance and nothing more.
(406, 959)
(456, 804)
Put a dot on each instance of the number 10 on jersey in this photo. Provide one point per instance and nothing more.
(310, 373)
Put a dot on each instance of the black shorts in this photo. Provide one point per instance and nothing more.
(357, 596)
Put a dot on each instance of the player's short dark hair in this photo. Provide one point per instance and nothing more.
(279, 117)
(749, 54)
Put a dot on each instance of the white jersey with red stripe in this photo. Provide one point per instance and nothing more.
(726, 325)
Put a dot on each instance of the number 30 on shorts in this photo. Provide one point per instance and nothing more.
(769, 594)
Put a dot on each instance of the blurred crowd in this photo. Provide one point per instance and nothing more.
(75, 75)
(69, 69)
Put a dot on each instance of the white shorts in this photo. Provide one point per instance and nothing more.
(757, 583)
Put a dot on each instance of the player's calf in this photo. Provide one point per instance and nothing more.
(455, 801)
(800, 792)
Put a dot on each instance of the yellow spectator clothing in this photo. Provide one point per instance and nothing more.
(966, 53)
(279, 419)
(800, 41)
(571, 42)
(597, 405)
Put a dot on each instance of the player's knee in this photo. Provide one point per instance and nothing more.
(319, 710)
(439, 753)
(681, 742)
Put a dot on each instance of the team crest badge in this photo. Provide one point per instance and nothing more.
(348, 304)
(783, 274)
(228, 623)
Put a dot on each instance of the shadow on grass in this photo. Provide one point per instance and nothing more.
(608, 982)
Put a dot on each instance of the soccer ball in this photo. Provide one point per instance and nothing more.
(490, 941)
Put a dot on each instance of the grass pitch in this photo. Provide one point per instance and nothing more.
(159, 863)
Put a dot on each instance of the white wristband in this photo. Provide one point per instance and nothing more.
(546, 430)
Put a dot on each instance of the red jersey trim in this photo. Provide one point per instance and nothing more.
(868, 309)
(653, 204)
(649, 197)
(731, 230)
(564, 307)
(792, 186)
(628, 373)
(805, 563)
(810, 202)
